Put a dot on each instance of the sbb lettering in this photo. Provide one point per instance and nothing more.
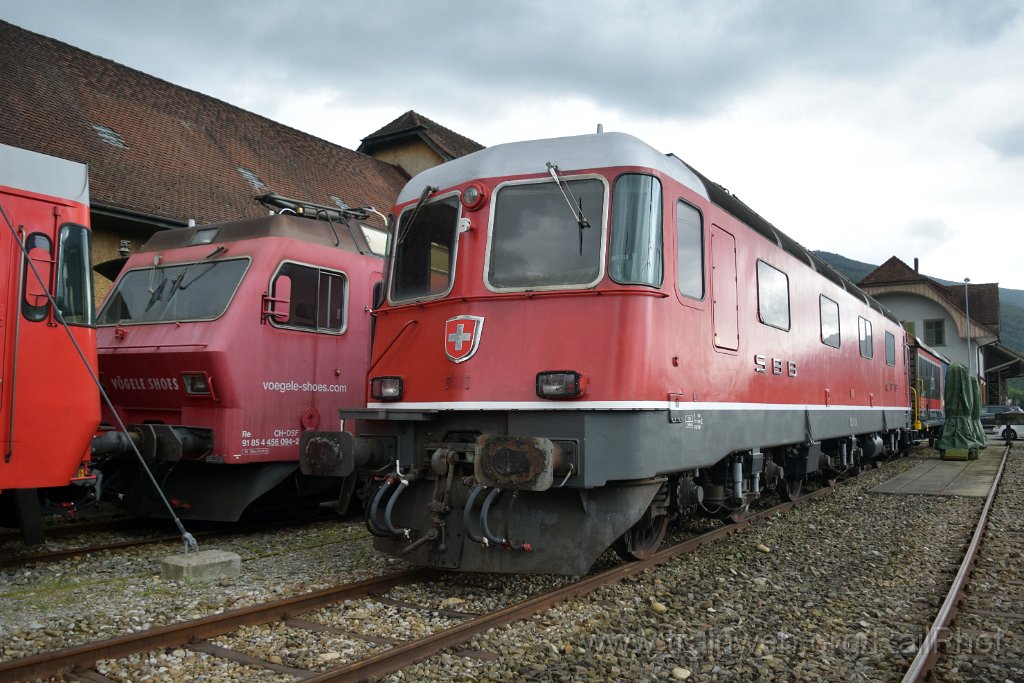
(779, 366)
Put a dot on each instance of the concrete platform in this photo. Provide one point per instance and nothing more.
(937, 477)
(205, 565)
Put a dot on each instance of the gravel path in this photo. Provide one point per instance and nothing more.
(839, 589)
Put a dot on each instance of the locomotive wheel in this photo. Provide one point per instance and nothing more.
(791, 488)
(643, 538)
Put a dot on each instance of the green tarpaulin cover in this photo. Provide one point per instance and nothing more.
(963, 429)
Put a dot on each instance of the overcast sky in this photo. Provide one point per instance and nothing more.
(869, 129)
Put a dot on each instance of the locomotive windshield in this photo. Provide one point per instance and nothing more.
(190, 291)
(424, 251)
(537, 241)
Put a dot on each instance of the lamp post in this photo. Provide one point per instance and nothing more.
(967, 307)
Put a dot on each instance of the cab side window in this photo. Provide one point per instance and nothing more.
(34, 304)
(317, 300)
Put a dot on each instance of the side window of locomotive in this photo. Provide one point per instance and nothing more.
(890, 349)
(424, 250)
(538, 241)
(377, 239)
(318, 298)
(74, 279)
(866, 343)
(689, 251)
(40, 252)
(829, 322)
(636, 249)
(772, 296)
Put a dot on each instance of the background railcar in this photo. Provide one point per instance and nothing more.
(49, 404)
(927, 376)
(220, 345)
(584, 338)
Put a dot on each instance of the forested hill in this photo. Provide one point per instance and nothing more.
(1011, 301)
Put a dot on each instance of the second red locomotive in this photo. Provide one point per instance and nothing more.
(221, 345)
(583, 338)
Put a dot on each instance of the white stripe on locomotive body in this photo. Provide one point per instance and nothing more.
(580, 152)
(685, 406)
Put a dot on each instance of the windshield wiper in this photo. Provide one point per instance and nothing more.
(403, 231)
(575, 205)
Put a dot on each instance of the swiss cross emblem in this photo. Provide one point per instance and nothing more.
(462, 337)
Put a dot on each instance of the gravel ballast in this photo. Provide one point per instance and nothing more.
(842, 588)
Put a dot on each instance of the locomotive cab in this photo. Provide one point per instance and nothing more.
(584, 338)
(220, 345)
(49, 404)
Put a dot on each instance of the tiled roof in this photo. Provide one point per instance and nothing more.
(410, 124)
(984, 298)
(157, 148)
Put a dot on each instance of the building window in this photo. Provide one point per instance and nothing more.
(829, 322)
(890, 349)
(772, 296)
(935, 332)
(864, 332)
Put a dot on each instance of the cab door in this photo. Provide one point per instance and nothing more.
(723, 289)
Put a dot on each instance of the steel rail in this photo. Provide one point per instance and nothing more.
(65, 553)
(927, 653)
(395, 658)
(86, 655)
(76, 528)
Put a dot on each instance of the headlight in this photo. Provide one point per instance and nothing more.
(196, 383)
(473, 196)
(560, 384)
(386, 388)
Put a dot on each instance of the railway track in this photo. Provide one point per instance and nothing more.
(132, 526)
(61, 530)
(297, 613)
(932, 649)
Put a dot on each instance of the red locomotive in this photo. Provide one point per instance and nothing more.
(221, 345)
(583, 338)
(45, 248)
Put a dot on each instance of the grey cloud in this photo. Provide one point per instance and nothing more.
(1009, 142)
(663, 58)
